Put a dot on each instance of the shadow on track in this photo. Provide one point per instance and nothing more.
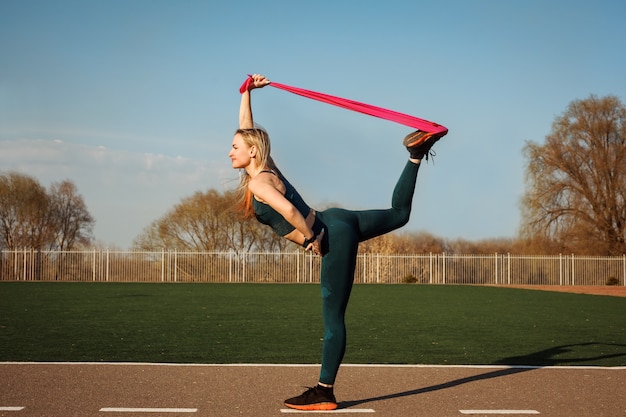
(493, 374)
(554, 356)
(546, 357)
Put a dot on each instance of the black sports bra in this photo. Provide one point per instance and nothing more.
(267, 215)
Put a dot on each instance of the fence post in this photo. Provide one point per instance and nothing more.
(38, 265)
(443, 268)
(430, 267)
(377, 268)
(573, 278)
(496, 258)
(364, 268)
(175, 265)
(162, 263)
(230, 266)
(297, 265)
(243, 267)
(24, 273)
(107, 268)
(508, 267)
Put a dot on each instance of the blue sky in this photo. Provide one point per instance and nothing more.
(136, 101)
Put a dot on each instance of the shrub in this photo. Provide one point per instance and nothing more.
(410, 279)
(612, 281)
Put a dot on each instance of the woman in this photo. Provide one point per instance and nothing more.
(334, 233)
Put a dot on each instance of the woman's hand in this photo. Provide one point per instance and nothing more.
(245, 108)
(258, 81)
(316, 245)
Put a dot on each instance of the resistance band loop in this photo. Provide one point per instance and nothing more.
(368, 109)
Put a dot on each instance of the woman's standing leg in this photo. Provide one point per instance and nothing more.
(336, 279)
(340, 246)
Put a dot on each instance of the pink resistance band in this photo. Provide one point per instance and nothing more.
(368, 109)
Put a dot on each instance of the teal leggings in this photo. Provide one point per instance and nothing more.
(344, 229)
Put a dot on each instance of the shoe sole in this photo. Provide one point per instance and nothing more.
(417, 139)
(313, 407)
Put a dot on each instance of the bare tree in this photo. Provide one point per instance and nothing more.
(576, 181)
(23, 212)
(193, 224)
(72, 223)
(206, 222)
(32, 218)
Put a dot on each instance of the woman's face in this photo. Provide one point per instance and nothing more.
(240, 153)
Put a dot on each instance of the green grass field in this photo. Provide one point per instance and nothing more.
(273, 323)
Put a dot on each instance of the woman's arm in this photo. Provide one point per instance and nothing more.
(263, 189)
(245, 108)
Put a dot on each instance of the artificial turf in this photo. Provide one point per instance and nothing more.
(276, 323)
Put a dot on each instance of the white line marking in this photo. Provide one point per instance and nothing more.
(499, 411)
(147, 410)
(11, 408)
(295, 365)
(342, 410)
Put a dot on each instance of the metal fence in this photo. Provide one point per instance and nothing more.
(303, 267)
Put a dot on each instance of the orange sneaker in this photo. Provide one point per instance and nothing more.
(314, 399)
(419, 143)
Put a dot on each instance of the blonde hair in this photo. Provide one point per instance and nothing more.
(260, 139)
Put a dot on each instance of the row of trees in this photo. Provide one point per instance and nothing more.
(33, 217)
(575, 202)
(206, 222)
